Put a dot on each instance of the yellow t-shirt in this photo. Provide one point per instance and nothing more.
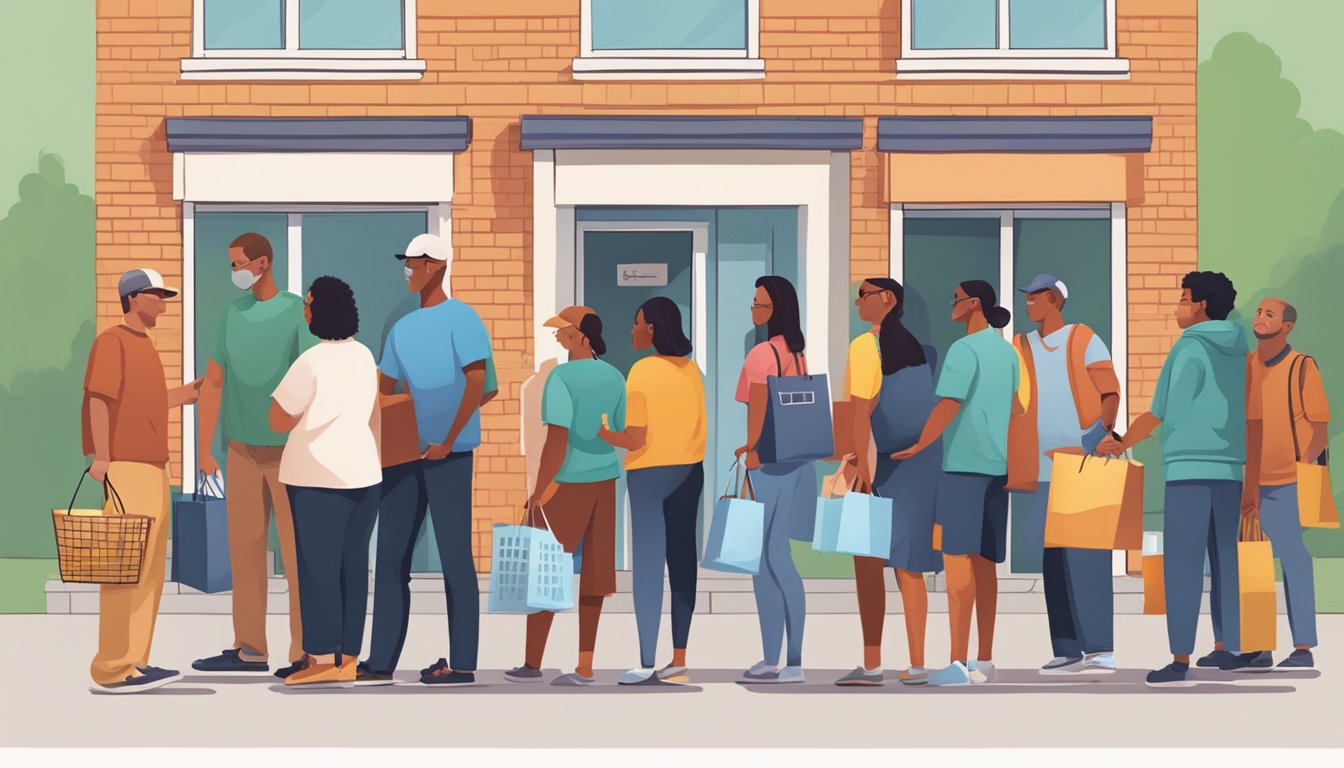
(667, 396)
(863, 373)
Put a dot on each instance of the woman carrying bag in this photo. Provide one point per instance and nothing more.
(788, 489)
(889, 379)
(328, 405)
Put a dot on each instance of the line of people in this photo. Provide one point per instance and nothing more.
(297, 400)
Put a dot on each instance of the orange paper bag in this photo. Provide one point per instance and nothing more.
(1095, 502)
(1255, 575)
(1315, 498)
(1154, 586)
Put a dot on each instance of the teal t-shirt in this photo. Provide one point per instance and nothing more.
(981, 371)
(256, 343)
(576, 395)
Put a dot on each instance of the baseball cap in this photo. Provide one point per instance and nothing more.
(139, 280)
(569, 316)
(1046, 282)
(427, 246)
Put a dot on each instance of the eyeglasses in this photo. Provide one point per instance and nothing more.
(754, 305)
(955, 302)
(865, 294)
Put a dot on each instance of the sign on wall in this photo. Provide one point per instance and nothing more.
(641, 275)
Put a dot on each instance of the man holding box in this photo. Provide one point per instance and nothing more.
(1075, 396)
(1200, 402)
(1286, 420)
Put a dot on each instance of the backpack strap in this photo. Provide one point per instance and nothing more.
(779, 366)
(1301, 396)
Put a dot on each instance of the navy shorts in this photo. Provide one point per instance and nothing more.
(973, 511)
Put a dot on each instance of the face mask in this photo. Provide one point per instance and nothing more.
(407, 271)
(244, 279)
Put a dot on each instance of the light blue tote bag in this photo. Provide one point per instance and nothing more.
(856, 524)
(530, 571)
(737, 531)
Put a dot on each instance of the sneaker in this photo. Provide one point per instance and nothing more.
(954, 674)
(1298, 659)
(788, 675)
(1171, 676)
(229, 660)
(148, 679)
(449, 677)
(637, 676)
(761, 671)
(1256, 661)
(1062, 665)
(325, 675)
(573, 680)
(1099, 663)
(862, 677)
(366, 677)
(523, 674)
(671, 674)
(983, 672)
(442, 663)
(284, 672)
(915, 676)
(1215, 659)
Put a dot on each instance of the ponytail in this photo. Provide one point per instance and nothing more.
(899, 347)
(995, 315)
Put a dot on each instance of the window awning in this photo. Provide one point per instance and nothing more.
(318, 134)
(1107, 134)
(690, 132)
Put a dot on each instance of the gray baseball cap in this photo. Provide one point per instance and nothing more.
(1045, 282)
(140, 280)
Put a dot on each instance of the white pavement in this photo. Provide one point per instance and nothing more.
(46, 701)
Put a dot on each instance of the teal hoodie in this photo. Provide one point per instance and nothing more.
(1201, 400)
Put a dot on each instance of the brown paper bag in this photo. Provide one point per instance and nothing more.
(400, 438)
(1095, 502)
(1154, 586)
(1255, 574)
(1315, 498)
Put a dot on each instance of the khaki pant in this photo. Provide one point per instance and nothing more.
(127, 612)
(252, 487)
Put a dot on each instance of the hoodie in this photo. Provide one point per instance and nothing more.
(1201, 400)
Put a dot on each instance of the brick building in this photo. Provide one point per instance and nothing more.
(600, 151)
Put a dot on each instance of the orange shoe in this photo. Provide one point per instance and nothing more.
(325, 675)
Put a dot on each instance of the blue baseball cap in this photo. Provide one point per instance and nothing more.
(1046, 283)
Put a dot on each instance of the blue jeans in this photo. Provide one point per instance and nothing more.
(786, 490)
(1202, 516)
(1079, 592)
(1280, 522)
(444, 487)
(663, 506)
(331, 538)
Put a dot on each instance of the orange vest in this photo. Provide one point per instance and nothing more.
(1023, 441)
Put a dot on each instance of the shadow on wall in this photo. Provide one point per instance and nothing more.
(46, 267)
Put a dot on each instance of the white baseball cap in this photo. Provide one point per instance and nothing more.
(426, 246)
(141, 280)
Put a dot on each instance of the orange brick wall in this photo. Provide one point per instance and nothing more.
(495, 60)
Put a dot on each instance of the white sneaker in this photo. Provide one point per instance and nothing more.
(637, 676)
(1098, 664)
(982, 672)
(790, 675)
(954, 674)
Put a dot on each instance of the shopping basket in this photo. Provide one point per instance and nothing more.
(97, 548)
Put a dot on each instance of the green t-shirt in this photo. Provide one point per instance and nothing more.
(256, 343)
(576, 395)
(981, 371)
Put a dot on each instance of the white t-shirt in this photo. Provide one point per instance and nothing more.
(333, 388)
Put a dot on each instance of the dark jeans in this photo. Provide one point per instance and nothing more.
(331, 534)
(1202, 516)
(444, 487)
(663, 506)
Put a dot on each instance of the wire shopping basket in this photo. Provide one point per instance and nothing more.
(97, 548)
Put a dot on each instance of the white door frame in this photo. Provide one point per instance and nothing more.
(1007, 214)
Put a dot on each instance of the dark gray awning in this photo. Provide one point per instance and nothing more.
(318, 134)
(1015, 134)
(690, 132)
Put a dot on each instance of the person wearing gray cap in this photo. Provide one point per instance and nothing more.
(125, 429)
(1074, 402)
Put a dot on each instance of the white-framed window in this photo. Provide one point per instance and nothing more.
(661, 40)
(303, 39)
(1009, 39)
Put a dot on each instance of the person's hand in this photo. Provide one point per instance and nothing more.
(753, 460)
(1250, 506)
(98, 470)
(191, 392)
(908, 453)
(437, 452)
(1109, 446)
(208, 465)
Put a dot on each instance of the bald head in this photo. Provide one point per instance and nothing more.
(1274, 318)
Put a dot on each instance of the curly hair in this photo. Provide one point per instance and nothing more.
(335, 316)
(1214, 288)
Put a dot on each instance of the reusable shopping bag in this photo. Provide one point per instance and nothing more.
(1315, 498)
(530, 571)
(1095, 502)
(200, 522)
(855, 524)
(797, 416)
(737, 532)
(1255, 576)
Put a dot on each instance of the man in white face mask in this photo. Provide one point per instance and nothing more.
(260, 336)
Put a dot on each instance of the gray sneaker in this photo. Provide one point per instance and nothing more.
(638, 676)
(1099, 663)
(572, 680)
(786, 675)
(761, 672)
(523, 674)
(861, 676)
(983, 672)
(1063, 665)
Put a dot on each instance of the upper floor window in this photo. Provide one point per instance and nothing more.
(303, 39)
(1026, 39)
(657, 39)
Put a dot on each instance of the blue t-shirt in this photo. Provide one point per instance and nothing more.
(428, 349)
(981, 371)
(1056, 412)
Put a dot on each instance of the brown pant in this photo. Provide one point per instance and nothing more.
(127, 612)
(586, 512)
(252, 487)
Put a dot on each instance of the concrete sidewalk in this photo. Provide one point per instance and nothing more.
(47, 702)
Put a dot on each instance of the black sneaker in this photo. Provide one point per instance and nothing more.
(1298, 659)
(449, 678)
(1256, 661)
(366, 677)
(523, 674)
(1216, 659)
(1172, 675)
(285, 672)
(149, 679)
(442, 663)
(229, 660)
